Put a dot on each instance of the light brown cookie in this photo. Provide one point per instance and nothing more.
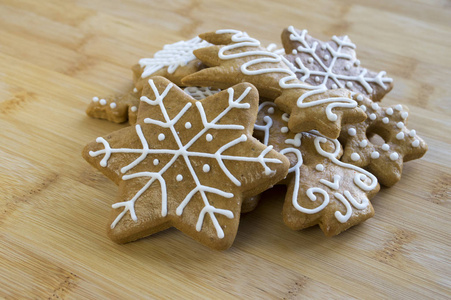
(382, 143)
(333, 64)
(239, 58)
(320, 189)
(186, 164)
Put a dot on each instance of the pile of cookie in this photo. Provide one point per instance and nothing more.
(217, 120)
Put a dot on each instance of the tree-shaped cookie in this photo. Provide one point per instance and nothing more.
(320, 189)
(173, 62)
(186, 164)
(239, 58)
(332, 63)
(382, 143)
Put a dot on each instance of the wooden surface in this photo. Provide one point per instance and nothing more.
(56, 55)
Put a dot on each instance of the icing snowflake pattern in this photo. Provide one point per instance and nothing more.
(172, 56)
(183, 151)
(319, 73)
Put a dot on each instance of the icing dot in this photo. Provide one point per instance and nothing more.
(102, 102)
(385, 120)
(319, 167)
(135, 90)
(300, 48)
(394, 156)
(400, 125)
(113, 105)
(334, 86)
(389, 111)
(400, 136)
(357, 63)
(271, 110)
(374, 106)
(286, 117)
(349, 84)
(404, 115)
(179, 177)
(374, 155)
(156, 162)
(161, 137)
(294, 51)
(317, 79)
(323, 46)
(310, 60)
(373, 117)
(398, 107)
(352, 131)
(363, 107)
(363, 143)
(355, 156)
(385, 147)
(326, 57)
(206, 168)
(133, 108)
(187, 125)
(412, 133)
(416, 143)
(284, 129)
(95, 99)
(347, 67)
(359, 97)
(209, 137)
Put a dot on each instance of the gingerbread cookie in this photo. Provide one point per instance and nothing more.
(333, 64)
(239, 58)
(186, 164)
(382, 142)
(320, 189)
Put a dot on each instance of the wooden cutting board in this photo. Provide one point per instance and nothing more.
(56, 55)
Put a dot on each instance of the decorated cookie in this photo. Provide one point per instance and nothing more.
(200, 93)
(173, 62)
(320, 188)
(333, 64)
(117, 109)
(382, 142)
(186, 164)
(239, 58)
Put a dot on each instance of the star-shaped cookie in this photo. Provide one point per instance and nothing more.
(320, 189)
(186, 164)
(239, 58)
(333, 64)
(382, 143)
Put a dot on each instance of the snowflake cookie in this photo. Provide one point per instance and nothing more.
(186, 164)
(239, 58)
(382, 142)
(320, 188)
(333, 64)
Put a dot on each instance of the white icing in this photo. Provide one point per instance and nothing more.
(206, 168)
(400, 125)
(179, 177)
(360, 97)
(135, 90)
(156, 162)
(352, 131)
(363, 143)
(400, 136)
(133, 108)
(161, 137)
(242, 40)
(187, 125)
(363, 107)
(209, 137)
(398, 107)
(385, 147)
(385, 120)
(113, 105)
(319, 167)
(389, 111)
(95, 99)
(404, 115)
(172, 56)
(412, 133)
(394, 156)
(416, 143)
(200, 93)
(185, 154)
(327, 72)
(333, 185)
(372, 116)
(102, 102)
(284, 129)
(271, 110)
(375, 155)
(355, 156)
(374, 106)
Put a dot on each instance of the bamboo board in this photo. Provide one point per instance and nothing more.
(56, 55)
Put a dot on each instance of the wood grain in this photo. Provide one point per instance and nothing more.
(56, 55)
